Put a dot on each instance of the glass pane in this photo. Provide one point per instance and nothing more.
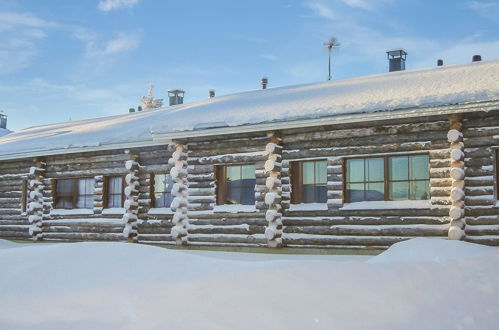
(160, 183)
(399, 168)
(64, 202)
(355, 192)
(321, 172)
(89, 186)
(375, 169)
(320, 194)
(308, 169)
(159, 200)
(248, 171)
(375, 191)
(233, 195)
(169, 183)
(420, 167)
(355, 170)
(114, 201)
(420, 190)
(399, 191)
(248, 196)
(168, 199)
(308, 194)
(233, 173)
(64, 186)
(115, 185)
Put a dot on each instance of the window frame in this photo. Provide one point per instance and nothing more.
(496, 172)
(106, 193)
(386, 171)
(152, 198)
(296, 178)
(24, 196)
(221, 191)
(74, 193)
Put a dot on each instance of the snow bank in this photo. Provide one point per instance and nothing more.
(131, 286)
(383, 92)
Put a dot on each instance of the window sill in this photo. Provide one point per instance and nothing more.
(71, 211)
(387, 205)
(160, 210)
(117, 210)
(234, 208)
(308, 207)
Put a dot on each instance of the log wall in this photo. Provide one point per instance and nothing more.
(332, 225)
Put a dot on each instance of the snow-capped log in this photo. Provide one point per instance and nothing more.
(457, 174)
(131, 205)
(273, 148)
(131, 165)
(454, 135)
(180, 203)
(35, 206)
(272, 182)
(272, 165)
(272, 198)
(272, 215)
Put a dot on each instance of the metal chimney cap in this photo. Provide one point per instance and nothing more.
(176, 91)
(476, 58)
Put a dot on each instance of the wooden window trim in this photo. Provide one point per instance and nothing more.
(105, 190)
(296, 175)
(496, 172)
(386, 169)
(74, 193)
(221, 190)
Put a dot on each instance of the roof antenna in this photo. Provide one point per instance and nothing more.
(333, 42)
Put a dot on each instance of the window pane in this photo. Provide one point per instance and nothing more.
(375, 169)
(115, 185)
(419, 167)
(420, 190)
(64, 186)
(160, 183)
(308, 169)
(114, 201)
(233, 195)
(399, 191)
(64, 202)
(355, 192)
(233, 173)
(355, 170)
(159, 200)
(375, 191)
(399, 168)
(248, 195)
(321, 172)
(248, 171)
(308, 193)
(320, 194)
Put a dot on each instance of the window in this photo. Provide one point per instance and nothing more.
(390, 178)
(309, 182)
(497, 174)
(162, 190)
(74, 193)
(115, 192)
(236, 184)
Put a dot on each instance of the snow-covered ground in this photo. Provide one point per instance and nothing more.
(417, 284)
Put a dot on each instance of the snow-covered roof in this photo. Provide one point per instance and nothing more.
(387, 94)
(4, 131)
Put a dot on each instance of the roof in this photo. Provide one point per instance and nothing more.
(382, 95)
(4, 131)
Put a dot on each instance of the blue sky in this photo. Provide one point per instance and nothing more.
(62, 60)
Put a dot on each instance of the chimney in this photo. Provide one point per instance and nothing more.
(476, 58)
(3, 120)
(211, 93)
(131, 110)
(176, 96)
(440, 62)
(396, 59)
(265, 81)
(139, 108)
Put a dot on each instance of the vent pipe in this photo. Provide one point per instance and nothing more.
(176, 96)
(3, 120)
(139, 108)
(440, 62)
(265, 81)
(396, 59)
(476, 58)
(131, 110)
(211, 93)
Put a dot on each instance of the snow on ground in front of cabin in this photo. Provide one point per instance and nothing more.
(416, 284)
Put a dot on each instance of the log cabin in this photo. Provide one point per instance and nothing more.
(358, 163)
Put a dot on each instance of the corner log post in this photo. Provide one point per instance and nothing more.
(178, 172)
(273, 197)
(457, 175)
(130, 232)
(36, 205)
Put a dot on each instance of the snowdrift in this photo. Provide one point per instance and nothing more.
(417, 284)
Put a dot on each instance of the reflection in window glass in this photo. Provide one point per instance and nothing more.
(115, 193)
(314, 181)
(240, 182)
(367, 183)
(85, 196)
(65, 194)
(75, 193)
(163, 184)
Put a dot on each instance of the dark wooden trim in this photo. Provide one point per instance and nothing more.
(53, 184)
(105, 192)
(24, 195)
(123, 197)
(151, 190)
(221, 186)
(495, 150)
